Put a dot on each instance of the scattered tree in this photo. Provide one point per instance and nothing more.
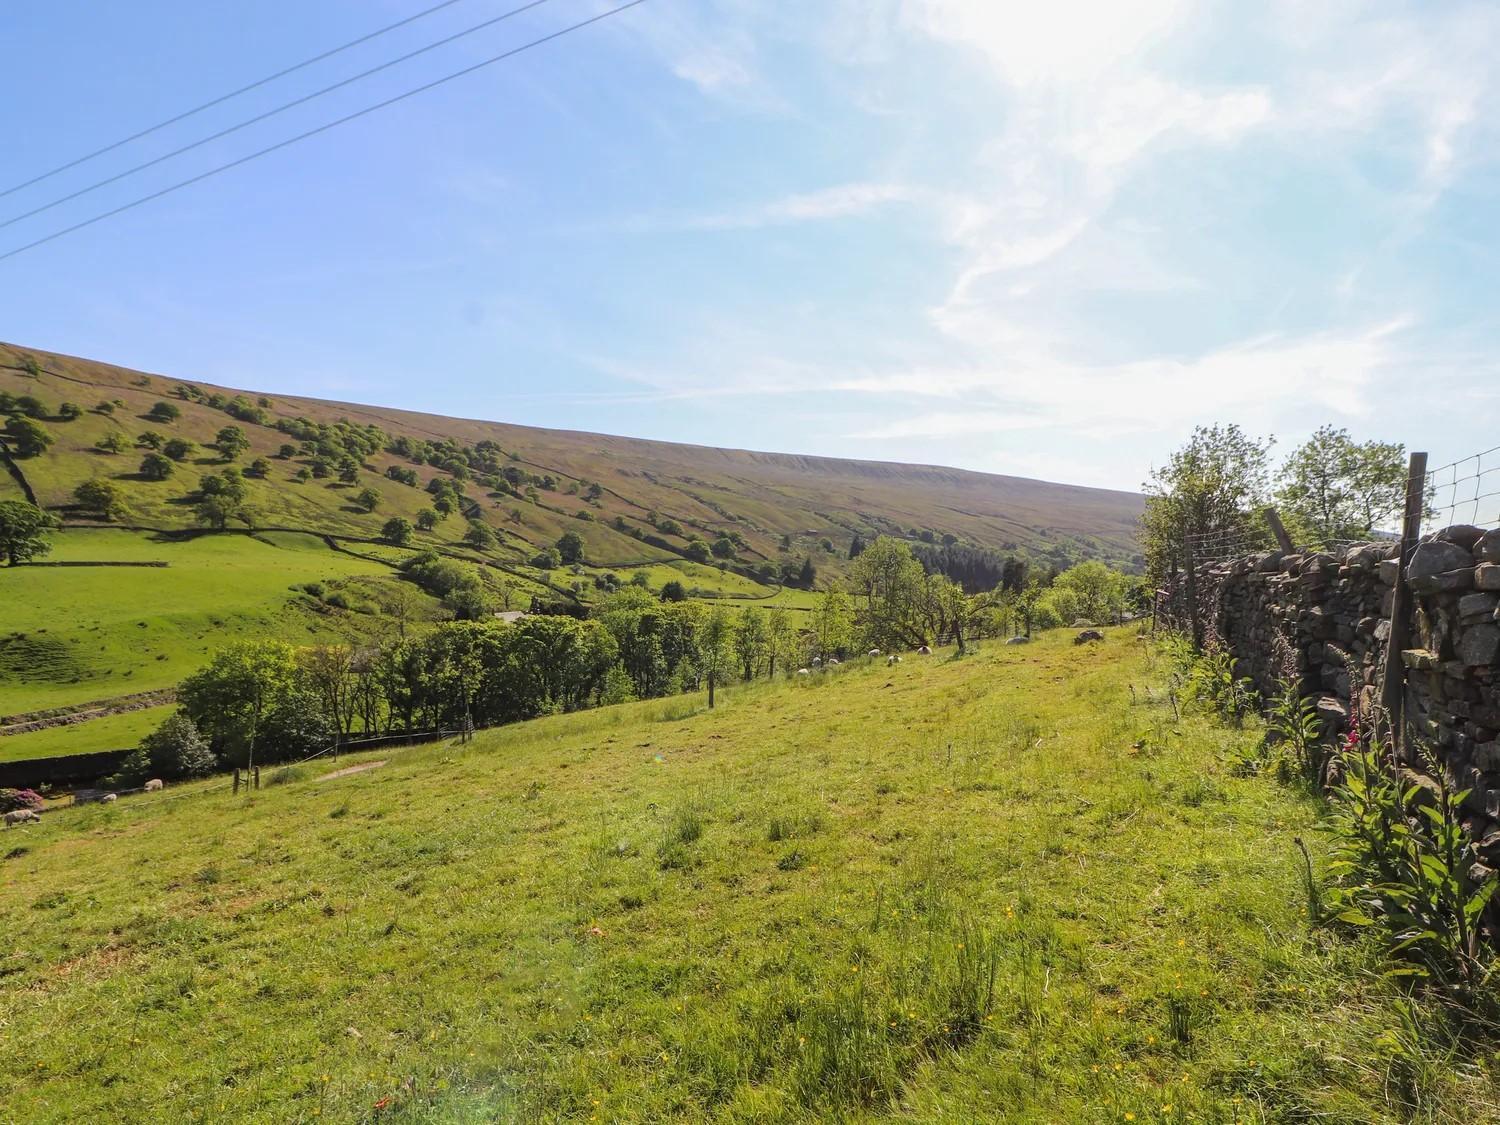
(103, 498)
(480, 536)
(27, 437)
(179, 449)
(164, 412)
(1333, 487)
(231, 442)
(570, 547)
(397, 530)
(23, 531)
(156, 467)
(367, 500)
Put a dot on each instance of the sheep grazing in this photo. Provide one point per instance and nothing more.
(803, 672)
(21, 816)
(109, 797)
(833, 661)
(874, 652)
(816, 661)
(892, 659)
(153, 785)
(924, 651)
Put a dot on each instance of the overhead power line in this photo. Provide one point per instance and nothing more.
(274, 111)
(422, 89)
(222, 98)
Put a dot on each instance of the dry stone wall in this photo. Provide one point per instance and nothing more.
(1323, 621)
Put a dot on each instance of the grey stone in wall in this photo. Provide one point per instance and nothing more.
(1323, 619)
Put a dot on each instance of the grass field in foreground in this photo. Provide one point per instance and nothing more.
(786, 909)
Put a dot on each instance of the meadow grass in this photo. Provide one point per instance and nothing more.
(81, 633)
(111, 732)
(1017, 896)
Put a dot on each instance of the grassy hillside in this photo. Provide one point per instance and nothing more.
(760, 496)
(71, 634)
(1006, 888)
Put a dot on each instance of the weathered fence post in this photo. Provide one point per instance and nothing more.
(1393, 694)
(257, 777)
(236, 779)
(1278, 529)
(1190, 585)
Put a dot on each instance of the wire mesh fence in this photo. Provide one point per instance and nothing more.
(1465, 491)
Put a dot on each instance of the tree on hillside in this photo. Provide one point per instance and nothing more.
(698, 551)
(103, 498)
(397, 530)
(427, 519)
(231, 442)
(367, 500)
(175, 749)
(179, 449)
(232, 699)
(23, 531)
(750, 640)
(260, 468)
(672, 591)
(1100, 591)
(714, 648)
(156, 467)
(1332, 487)
(27, 437)
(164, 412)
(1205, 495)
(781, 641)
(570, 547)
(807, 576)
(833, 624)
(150, 439)
(69, 411)
(480, 536)
(891, 588)
(112, 442)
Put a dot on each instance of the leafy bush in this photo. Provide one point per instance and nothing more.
(1403, 861)
(176, 749)
(13, 799)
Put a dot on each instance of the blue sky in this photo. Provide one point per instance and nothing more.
(1042, 239)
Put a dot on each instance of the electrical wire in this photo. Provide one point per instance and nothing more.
(222, 98)
(200, 177)
(274, 111)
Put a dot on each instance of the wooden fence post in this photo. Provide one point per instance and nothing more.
(1393, 694)
(257, 777)
(236, 779)
(1278, 529)
(1190, 584)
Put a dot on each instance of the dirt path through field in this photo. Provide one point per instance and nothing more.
(347, 770)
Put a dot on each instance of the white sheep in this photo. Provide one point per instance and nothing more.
(924, 651)
(816, 662)
(109, 797)
(833, 661)
(803, 672)
(874, 652)
(153, 785)
(21, 816)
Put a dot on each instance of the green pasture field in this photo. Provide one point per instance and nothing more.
(1010, 887)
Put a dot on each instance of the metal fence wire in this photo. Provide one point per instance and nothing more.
(1465, 491)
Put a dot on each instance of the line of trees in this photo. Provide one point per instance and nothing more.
(265, 701)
